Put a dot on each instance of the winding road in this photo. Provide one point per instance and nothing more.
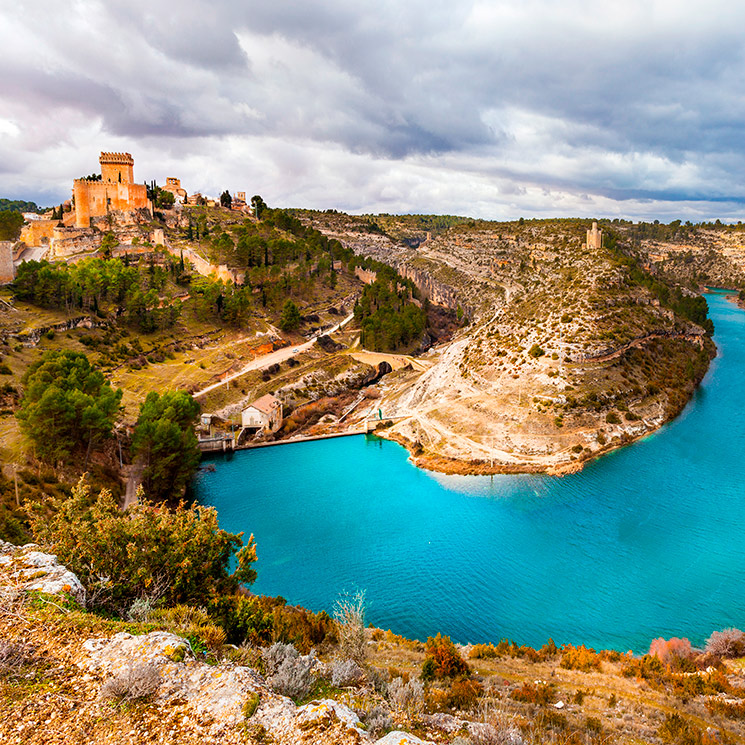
(273, 358)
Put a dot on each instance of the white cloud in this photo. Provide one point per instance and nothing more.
(494, 109)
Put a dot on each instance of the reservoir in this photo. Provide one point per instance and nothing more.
(647, 541)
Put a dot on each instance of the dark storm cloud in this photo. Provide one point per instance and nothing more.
(496, 106)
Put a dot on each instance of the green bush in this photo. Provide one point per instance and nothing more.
(173, 555)
(536, 351)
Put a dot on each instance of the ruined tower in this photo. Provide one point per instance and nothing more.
(594, 237)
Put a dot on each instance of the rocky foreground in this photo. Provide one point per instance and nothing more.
(566, 351)
(70, 679)
(69, 676)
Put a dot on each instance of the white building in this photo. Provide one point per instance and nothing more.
(264, 413)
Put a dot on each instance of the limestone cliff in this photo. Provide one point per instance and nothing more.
(569, 351)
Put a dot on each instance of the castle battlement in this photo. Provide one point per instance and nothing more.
(119, 158)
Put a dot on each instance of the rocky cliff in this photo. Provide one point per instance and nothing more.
(569, 351)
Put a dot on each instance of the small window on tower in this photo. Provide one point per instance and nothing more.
(120, 177)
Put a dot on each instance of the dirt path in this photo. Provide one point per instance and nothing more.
(638, 343)
(134, 479)
(273, 358)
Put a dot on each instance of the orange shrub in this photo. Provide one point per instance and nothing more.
(538, 693)
(579, 658)
(464, 693)
(671, 651)
(443, 659)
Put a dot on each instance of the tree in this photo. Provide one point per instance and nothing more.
(175, 555)
(164, 439)
(109, 241)
(66, 404)
(258, 205)
(291, 318)
(164, 199)
(10, 225)
(225, 199)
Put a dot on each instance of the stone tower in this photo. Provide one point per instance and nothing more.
(594, 237)
(117, 168)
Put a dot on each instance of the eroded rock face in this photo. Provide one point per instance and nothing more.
(220, 692)
(36, 570)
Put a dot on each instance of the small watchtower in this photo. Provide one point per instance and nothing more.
(117, 168)
(594, 237)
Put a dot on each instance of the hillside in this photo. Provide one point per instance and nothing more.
(570, 350)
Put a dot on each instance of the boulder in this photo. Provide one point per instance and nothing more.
(36, 570)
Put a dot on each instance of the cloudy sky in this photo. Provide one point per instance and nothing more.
(495, 109)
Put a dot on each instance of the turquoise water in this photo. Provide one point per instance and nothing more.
(648, 541)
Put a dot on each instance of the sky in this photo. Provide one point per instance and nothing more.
(497, 109)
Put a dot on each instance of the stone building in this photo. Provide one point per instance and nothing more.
(174, 186)
(594, 237)
(116, 190)
(38, 232)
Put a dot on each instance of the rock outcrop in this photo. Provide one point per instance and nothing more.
(31, 569)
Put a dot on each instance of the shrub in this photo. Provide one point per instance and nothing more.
(349, 615)
(176, 555)
(729, 709)
(442, 659)
(275, 655)
(483, 652)
(727, 643)
(406, 698)
(541, 694)
(346, 674)
(464, 693)
(288, 672)
(679, 731)
(671, 652)
(14, 657)
(536, 351)
(136, 683)
(293, 677)
(580, 658)
(612, 418)
(377, 721)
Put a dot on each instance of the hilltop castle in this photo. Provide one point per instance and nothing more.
(116, 190)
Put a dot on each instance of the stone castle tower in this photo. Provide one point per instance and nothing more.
(116, 190)
(117, 168)
(594, 237)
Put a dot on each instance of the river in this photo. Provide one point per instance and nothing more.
(647, 541)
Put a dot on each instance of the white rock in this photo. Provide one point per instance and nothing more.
(401, 738)
(327, 709)
(37, 570)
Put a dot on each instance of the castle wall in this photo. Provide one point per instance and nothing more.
(99, 198)
(38, 232)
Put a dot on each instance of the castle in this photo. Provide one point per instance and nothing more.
(116, 190)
